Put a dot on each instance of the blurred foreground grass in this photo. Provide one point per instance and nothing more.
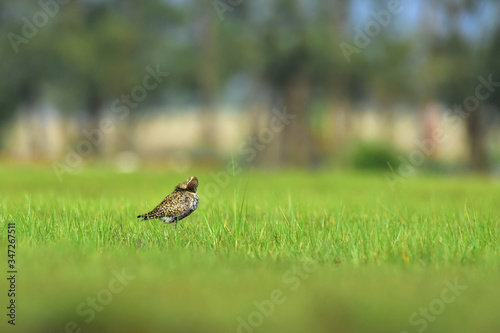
(268, 252)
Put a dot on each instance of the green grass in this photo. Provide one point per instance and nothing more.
(340, 252)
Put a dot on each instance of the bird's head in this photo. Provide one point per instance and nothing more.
(191, 184)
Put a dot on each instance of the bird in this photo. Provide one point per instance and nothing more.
(177, 205)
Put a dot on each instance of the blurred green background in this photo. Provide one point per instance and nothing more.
(348, 155)
(184, 83)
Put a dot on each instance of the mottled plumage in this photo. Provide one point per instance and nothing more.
(177, 205)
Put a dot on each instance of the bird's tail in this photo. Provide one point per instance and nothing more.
(146, 216)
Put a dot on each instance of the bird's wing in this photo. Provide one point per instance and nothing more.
(172, 206)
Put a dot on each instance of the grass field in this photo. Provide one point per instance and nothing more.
(330, 251)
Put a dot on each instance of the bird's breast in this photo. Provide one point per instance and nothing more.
(194, 203)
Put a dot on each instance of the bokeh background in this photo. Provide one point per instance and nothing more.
(368, 83)
(121, 100)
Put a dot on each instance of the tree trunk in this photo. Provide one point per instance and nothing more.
(36, 140)
(476, 131)
(91, 130)
(298, 145)
(208, 79)
(341, 111)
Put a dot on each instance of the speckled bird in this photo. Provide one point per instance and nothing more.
(177, 205)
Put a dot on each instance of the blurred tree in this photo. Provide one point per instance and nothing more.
(220, 49)
(89, 53)
(492, 59)
(208, 73)
(457, 64)
(344, 80)
(296, 59)
(26, 60)
(105, 49)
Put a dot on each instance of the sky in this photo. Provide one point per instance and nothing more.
(474, 26)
